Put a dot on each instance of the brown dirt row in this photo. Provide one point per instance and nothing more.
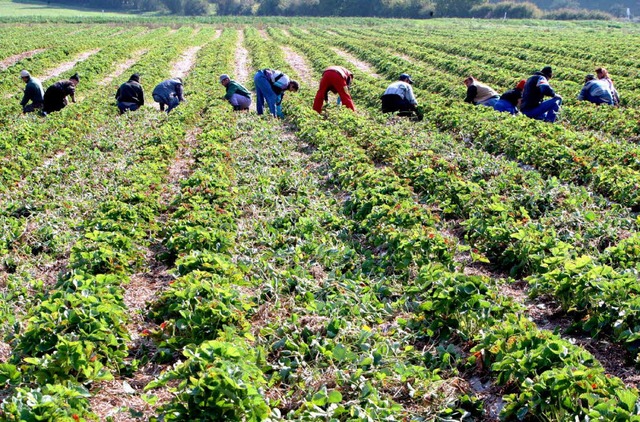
(182, 67)
(242, 60)
(10, 61)
(122, 67)
(362, 66)
(300, 65)
(63, 67)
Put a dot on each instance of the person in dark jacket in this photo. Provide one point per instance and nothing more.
(55, 97)
(130, 95)
(237, 95)
(336, 79)
(270, 86)
(169, 93)
(510, 100)
(535, 89)
(33, 93)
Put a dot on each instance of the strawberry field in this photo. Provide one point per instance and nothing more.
(212, 265)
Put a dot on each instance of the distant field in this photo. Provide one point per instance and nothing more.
(37, 8)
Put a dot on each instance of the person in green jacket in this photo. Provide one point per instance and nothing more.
(33, 98)
(237, 95)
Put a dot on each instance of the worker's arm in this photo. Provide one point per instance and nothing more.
(545, 88)
(180, 92)
(472, 91)
(410, 97)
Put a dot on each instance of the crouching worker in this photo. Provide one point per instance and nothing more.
(270, 87)
(510, 100)
(237, 95)
(33, 93)
(535, 89)
(336, 79)
(169, 93)
(55, 97)
(479, 93)
(130, 95)
(596, 91)
(399, 97)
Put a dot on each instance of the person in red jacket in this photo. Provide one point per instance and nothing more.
(336, 79)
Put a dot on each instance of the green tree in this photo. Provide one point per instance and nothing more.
(459, 8)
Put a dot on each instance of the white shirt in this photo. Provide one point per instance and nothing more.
(402, 89)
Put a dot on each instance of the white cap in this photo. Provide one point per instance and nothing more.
(24, 74)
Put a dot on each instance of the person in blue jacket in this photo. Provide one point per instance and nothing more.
(535, 89)
(596, 91)
(270, 86)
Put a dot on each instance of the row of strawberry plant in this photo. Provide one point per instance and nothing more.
(554, 151)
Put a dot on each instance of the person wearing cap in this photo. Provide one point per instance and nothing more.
(595, 91)
(130, 95)
(479, 93)
(603, 75)
(399, 97)
(535, 89)
(510, 100)
(237, 95)
(336, 79)
(55, 97)
(33, 93)
(270, 86)
(169, 92)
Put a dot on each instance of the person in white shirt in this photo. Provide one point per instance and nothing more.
(399, 97)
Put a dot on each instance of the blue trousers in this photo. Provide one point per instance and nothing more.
(489, 102)
(264, 92)
(546, 111)
(504, 105)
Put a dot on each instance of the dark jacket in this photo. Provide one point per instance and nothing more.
(130, 92)
(535, 89)
(512, 96)
(55, 97)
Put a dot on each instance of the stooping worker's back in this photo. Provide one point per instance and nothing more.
(336, 79)
(270, 87)
(596, 91)
(479, 93)
(33, 97)
(55, 97)
(510, 100)
(399, 97)
(130, 95)
(169, 93)
(535, 89)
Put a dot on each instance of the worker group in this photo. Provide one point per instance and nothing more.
(527, 97)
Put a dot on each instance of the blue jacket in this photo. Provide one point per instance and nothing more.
(597, 92)
(535, 89)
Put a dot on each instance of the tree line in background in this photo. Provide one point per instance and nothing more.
(550, 9)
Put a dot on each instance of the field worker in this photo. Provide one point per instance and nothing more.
(399, 97)
(603, 75)
(336, 79)
(535, 89)
(595, 91)
(270, 86)
(237, 95)
(130, 95)
(169, 92)
(479, 93)
(510, 100)
(33, 93)
(55, 97)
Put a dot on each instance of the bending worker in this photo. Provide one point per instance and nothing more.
(399, 97)
(55, 97)
(33, 93)
(479, 93)
(170, 93)
(130, 95)
(336, 79)
(535, 89)
(596, 91)
(270, 86)
(237, 95)
(510, 100)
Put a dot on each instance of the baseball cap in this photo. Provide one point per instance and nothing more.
(223, 77)
(24, 74)
(406, 77)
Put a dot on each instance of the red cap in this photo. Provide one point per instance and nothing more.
(520, 85)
